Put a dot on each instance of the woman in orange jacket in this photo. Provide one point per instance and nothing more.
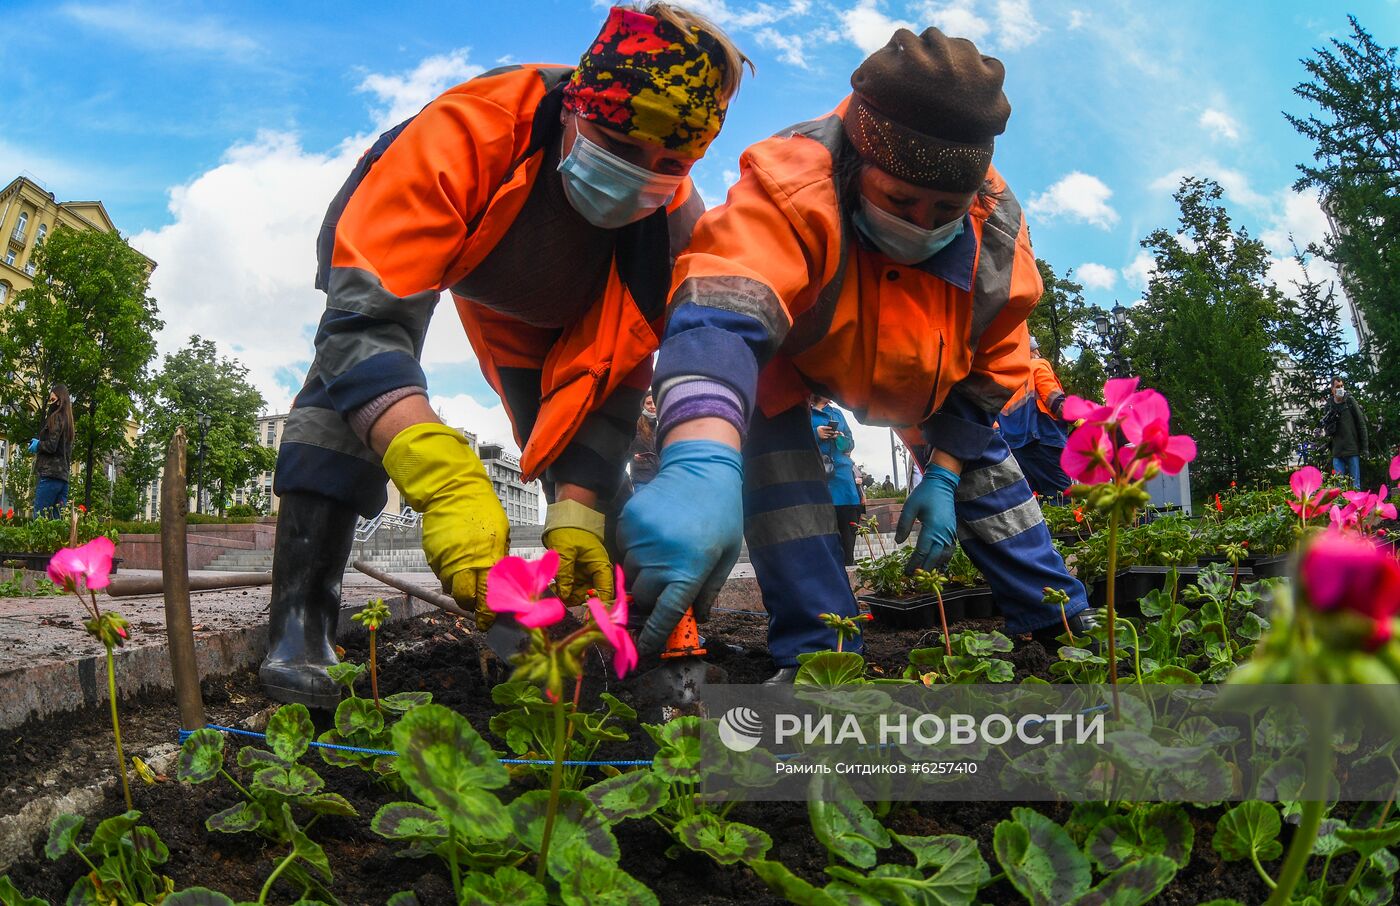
(551, 201)
(873, 256)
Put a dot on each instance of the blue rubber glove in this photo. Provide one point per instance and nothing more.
(680, 535)
(34, 445)
(932, 504)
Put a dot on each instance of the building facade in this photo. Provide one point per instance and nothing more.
(521, 500)
(28, 214)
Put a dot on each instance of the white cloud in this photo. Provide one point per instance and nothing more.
(792, 49)
(1096, 276)
(1220, 124)
(1016, 24)
(1235, 183)
(750, 16)
(1077, 19)
(238, 261)
(959, 18)
(1140, 270)
(404, 94)
(490, 424)
(163, 31)
(1078, 196)
(869, 28)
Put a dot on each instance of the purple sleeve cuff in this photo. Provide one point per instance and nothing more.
(684, 399)
(362, 418)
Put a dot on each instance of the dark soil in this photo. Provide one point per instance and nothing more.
(440, 656)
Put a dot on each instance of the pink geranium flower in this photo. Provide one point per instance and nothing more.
(1088, 457)
(1171, 451)
(518, 586)
(1312, 499)
(1395, 469)
(613, 625)
(1117, 395)
(1341, 572)
(91, 562)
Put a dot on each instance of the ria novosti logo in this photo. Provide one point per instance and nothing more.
(740, 729)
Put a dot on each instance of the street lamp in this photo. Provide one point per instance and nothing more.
(203, 421)
(1110, 327)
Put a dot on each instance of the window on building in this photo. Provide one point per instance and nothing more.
(10, 257)
(271, 433)
(22, 225)
(4, 292)
(29, 268)
(43, 231)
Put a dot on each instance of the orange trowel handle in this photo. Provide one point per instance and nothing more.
(684, 640)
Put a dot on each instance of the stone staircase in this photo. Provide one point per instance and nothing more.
(398, 549)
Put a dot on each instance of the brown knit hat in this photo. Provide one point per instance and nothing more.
(927, 109)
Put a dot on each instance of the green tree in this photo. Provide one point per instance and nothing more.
(1203, 337)
(1061, 319)
(1311, 334)
(87, 322)
(194, 380)
(1355, 87)
(1085, 375)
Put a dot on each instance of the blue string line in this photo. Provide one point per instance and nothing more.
(621, 763)
(185, 734)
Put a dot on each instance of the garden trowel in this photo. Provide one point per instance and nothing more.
(677, 687)
(505, 637)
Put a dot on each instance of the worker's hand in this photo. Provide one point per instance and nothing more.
(932, 504)
(826, 432)
(575, 531)
(680, 535)
(465, 530)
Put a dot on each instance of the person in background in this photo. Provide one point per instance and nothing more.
(1031, 425)
(551, 201)
(53, 454)
(835, 443)
(643, 449)
(1345, 424)
(873, 255)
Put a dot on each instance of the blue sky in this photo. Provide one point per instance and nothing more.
(216, 133)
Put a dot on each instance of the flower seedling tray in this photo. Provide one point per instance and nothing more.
(1136, 582)
(914, 612)
(976, 603)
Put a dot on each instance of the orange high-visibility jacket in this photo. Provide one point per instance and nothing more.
(1047, 385)
(424, 207)
(942, 345)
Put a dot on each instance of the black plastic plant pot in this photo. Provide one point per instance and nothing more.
(915, 612)
(974, 603)
(1135, 582)
(1267, 567)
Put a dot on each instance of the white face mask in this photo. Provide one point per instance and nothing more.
(902, 241)
(610, 192)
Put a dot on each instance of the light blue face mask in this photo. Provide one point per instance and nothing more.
(610, 192)
(902, 241)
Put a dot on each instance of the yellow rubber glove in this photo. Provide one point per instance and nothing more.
(465, 530)
(575, 531)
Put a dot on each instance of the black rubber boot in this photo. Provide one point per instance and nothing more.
(314, 536)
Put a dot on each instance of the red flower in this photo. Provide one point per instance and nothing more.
(1079, 514)
(81, 508)
(1232, 484)
(1342, 572)
(1218, 507)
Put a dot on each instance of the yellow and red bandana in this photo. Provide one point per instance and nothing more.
(646, 79)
